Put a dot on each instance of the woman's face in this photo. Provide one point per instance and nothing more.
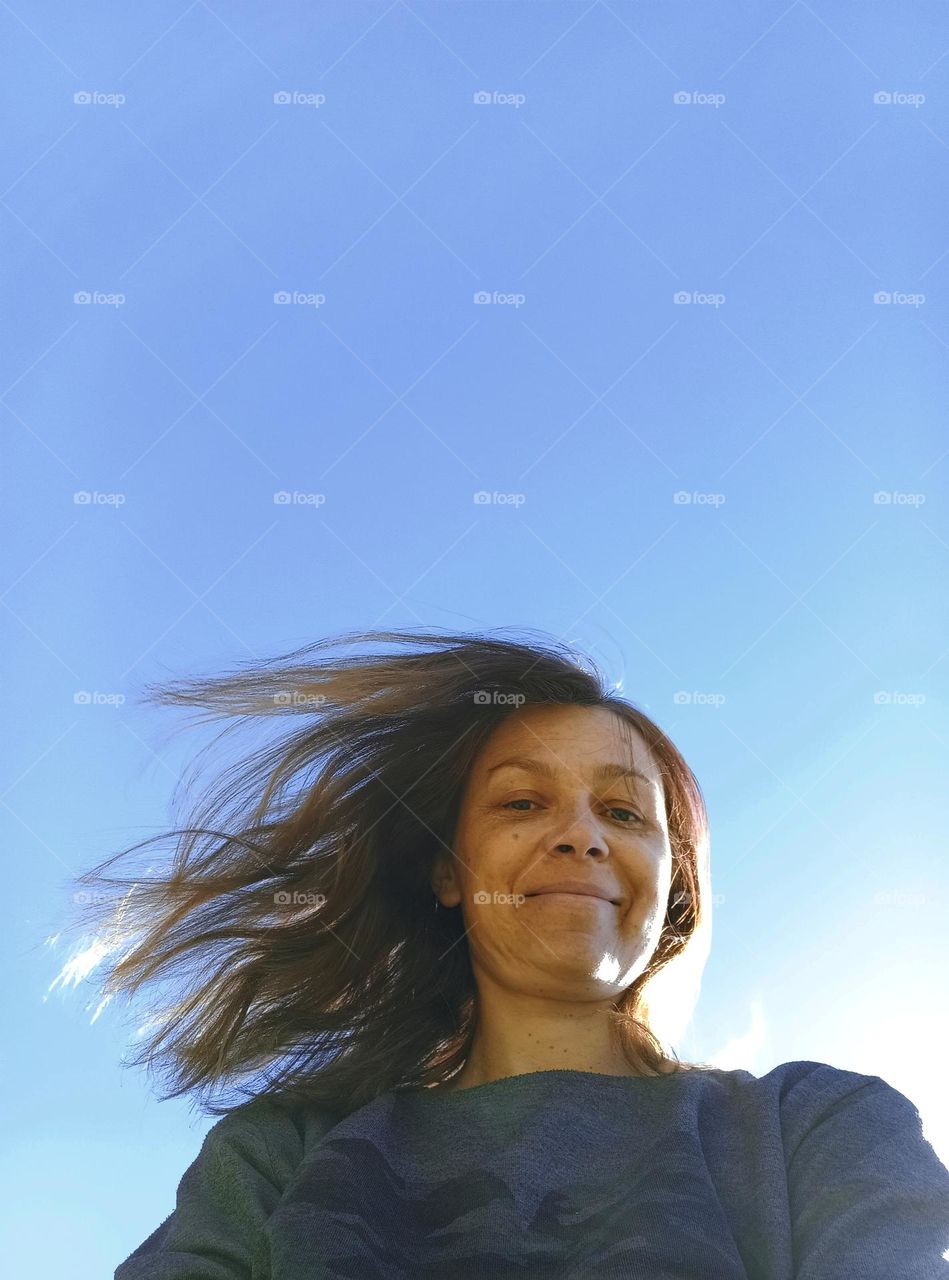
(569, 816)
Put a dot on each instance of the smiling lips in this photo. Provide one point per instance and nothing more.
(576, 887)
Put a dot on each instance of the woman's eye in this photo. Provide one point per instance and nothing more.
(619, 809)
(613, 809)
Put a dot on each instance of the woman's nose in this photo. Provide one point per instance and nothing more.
(582, 835)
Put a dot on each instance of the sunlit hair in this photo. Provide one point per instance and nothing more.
(296, 921)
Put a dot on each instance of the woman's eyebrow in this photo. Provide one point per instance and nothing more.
(601, 773)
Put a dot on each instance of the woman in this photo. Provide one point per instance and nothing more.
(437, 928)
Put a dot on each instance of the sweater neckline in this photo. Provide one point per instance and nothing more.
(528, 1081)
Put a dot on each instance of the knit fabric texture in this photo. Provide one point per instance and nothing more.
(809, 1172)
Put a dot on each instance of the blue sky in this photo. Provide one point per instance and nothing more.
(622, 322)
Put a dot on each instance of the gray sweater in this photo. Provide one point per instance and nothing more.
(806, 1173)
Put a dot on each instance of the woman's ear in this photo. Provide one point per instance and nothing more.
(445, 884)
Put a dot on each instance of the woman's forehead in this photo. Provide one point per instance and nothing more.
(552, 732)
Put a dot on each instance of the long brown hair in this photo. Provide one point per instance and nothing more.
(296, 920)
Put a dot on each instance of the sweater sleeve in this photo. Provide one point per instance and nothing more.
(869, 1197)
(224, 1199)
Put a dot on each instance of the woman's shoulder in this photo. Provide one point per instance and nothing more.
(800, 1086)
(273, 1131)
(810, 1095)
(806, 1078)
